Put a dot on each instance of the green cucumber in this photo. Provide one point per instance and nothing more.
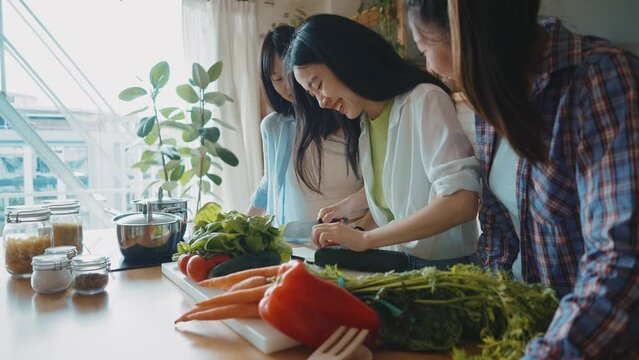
(245, 262)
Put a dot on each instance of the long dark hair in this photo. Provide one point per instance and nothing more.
(275, 43)
(361, 59)
(493, 43)
(430, 12)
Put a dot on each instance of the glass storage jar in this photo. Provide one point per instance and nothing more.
(51, 273)
(66, 222)
(27, 233)
(69, 250)
(90, 273)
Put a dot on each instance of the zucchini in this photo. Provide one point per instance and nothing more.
(245, 262)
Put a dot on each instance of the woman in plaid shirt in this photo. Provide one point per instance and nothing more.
(558, 140)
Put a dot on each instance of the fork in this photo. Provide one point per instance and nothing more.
(340, 345)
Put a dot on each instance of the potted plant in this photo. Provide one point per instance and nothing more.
(200, 128)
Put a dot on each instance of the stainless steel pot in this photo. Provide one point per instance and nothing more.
(147, 235)
(166, 205)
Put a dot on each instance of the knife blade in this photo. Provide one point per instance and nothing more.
(299, 229)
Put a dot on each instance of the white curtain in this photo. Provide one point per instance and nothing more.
(226, 30)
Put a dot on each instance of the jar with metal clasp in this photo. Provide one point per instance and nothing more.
(27, 233)
(66, 222)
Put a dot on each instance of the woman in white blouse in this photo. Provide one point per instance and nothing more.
(420, 173)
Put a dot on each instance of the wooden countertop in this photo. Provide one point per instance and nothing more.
(133, 319)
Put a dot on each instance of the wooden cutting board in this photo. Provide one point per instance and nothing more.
(262, 335)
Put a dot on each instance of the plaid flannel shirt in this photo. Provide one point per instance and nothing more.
(578, 212)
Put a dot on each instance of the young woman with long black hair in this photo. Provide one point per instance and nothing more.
(420, 174)
(327, 178)
(558, 139)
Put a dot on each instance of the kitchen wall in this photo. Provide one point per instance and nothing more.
(615, 20)
(284, 11)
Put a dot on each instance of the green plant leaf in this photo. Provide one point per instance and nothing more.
(159, 74)
(170, 152)
(178, 116)
(136, 111)
(186, 177)
(169, 185)
(145, 165)
(208, 213)
(227, 155)
(185, 191)
(184, 151)
(191, 134)
(132, 93)
(217, 98)
(187, 93)
(200, 116)
(211, 134)
(175, 125)
(172, 164)
(216, 179)
(148, 154)
(166, 112)
(177, 173)
(217, 165)
(224, 124)
(214, 71)
(170, 141)
(145, 126)
(200, 77)
(206, 187)
(153, 136)
(200, 165)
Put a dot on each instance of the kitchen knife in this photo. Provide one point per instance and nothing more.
(299, 229)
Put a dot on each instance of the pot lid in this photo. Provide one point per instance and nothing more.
(161, 199)
(146, 217)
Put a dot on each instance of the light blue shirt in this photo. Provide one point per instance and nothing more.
(281, 193)
(278, 134)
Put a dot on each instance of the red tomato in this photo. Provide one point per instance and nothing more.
(198, 267)
(182, 261)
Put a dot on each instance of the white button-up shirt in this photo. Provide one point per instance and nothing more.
(428, 156)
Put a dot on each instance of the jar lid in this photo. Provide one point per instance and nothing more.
(60, 207)
(69, 250)
(50, 262)
(26, 213)
(86, 261)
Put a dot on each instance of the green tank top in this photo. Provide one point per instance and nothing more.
(378, 139)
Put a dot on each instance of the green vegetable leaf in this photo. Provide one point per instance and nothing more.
(145, 126)
(214, 71)
(208, 213)
(187, 93)
(132, 93)
(159, 74)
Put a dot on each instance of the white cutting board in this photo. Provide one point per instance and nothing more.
(259, 333)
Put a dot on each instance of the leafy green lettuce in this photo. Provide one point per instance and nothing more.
(232, 233)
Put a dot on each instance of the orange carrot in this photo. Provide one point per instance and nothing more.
(253, 281)
(235, 311)
(225, 282)
(236, 297)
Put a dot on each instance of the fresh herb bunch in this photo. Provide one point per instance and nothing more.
(233, 234)
(431, 310)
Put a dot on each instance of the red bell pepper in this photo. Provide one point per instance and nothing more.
(309, 309)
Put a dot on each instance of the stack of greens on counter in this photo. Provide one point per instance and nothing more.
(250, 241)
(431, 310)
